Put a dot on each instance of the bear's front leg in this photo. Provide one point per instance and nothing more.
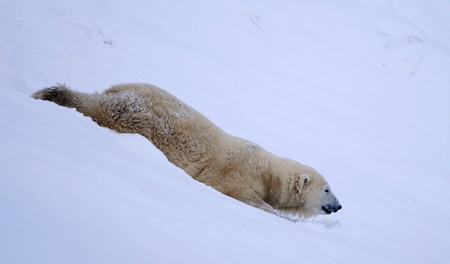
(260, 204)
(254, 200)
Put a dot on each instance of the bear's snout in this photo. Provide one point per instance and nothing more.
(331, 208)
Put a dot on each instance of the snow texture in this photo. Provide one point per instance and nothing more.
(359, 90)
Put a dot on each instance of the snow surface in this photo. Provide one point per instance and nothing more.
(359, 90)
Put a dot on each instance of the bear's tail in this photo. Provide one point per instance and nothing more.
(61, 95)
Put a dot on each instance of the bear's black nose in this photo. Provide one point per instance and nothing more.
(331, 209)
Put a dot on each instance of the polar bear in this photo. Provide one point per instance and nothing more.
(231, 165)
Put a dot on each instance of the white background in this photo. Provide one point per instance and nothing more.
(359, 90)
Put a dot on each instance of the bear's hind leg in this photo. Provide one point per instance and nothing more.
(61, 95)
(117, 111)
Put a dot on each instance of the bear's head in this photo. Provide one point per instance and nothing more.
(304, 192)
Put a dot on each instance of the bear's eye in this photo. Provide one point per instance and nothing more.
(305, 181)
(326, 190)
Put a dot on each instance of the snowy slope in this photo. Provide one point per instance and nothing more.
(358, 90)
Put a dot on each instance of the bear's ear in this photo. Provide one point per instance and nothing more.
(300, 181)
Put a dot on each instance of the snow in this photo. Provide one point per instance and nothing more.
(359, 90)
